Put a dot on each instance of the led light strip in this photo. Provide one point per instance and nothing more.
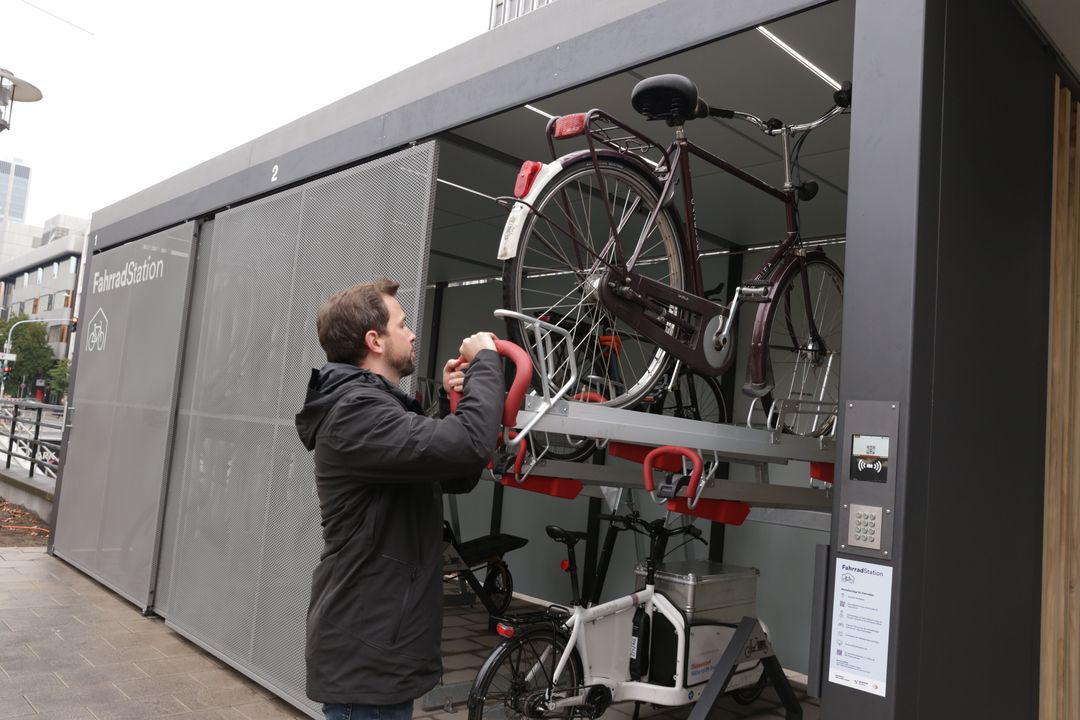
(538, 111)
(801, 60)
(466, 189)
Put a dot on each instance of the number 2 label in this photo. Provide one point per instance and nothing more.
(273, 174)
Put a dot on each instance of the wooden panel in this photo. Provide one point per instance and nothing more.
(1060, 649)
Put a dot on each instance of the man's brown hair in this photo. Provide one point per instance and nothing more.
(347, 315)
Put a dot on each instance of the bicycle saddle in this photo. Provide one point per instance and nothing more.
(570, 537)
(672, 98)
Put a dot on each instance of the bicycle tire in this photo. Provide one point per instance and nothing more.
(502, 682)
(551, 275)
(499, 585)
(798, 369)
(696, 397)
(569, 448)
(749, 695)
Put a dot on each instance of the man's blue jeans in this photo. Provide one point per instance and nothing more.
(402, 711)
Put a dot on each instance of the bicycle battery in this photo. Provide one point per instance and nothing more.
(639, 644)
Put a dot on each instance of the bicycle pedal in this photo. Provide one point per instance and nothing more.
(754, 293)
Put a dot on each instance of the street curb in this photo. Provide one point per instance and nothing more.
(35, 499)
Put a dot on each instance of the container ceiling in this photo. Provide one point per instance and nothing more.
(747, 72)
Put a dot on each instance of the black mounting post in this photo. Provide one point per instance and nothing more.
(748, 641)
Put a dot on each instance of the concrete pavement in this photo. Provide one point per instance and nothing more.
(70, 648)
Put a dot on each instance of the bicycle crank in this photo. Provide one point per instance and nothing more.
(591, 704)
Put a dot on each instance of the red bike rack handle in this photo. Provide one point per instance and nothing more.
(687, 453)
(522, 378)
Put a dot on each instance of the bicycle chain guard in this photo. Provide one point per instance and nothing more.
(657, 310)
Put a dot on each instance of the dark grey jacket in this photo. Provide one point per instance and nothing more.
(375, 619)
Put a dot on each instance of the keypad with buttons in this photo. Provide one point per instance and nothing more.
(864, 526)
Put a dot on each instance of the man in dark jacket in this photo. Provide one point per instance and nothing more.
(381, 466)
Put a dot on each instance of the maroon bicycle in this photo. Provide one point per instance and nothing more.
(595, 244)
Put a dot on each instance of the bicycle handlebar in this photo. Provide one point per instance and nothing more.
(629, 522)
(773, 126)
(522, 378)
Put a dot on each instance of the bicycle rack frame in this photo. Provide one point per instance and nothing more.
(537, 325)
(752, 446)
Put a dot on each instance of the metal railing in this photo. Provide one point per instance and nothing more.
(31, 432)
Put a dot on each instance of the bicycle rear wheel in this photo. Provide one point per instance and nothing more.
(556, 273)
(805, 355)
(517, 670)
(499, 584)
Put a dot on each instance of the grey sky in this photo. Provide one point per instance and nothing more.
(135, 92)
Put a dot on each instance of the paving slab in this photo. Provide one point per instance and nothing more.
(70, 648)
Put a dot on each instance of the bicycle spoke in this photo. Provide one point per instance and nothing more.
(556, 247)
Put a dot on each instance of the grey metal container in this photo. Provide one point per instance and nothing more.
(706, 590)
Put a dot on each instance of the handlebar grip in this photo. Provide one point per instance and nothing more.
(522, 377)
(842, 97)
(721, 113)
(687, 453)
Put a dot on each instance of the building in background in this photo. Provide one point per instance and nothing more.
(59, 227)
(16, 236)
(42, 283)
(14, 189)
(503, 11)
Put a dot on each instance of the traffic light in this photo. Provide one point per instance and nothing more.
(7, 373)
(73, 324)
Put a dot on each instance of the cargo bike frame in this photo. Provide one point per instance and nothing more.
(577, 661)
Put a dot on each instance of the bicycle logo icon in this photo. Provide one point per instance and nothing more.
(99, 327)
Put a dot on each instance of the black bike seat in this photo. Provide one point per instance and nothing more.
(673, 98)
(570, 537)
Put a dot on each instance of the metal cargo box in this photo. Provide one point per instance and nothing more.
(705, 590)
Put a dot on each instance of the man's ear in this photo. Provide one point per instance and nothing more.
(373, 343)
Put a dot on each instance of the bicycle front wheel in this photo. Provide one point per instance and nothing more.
(561, 260)
(802, 327)
(518, 672)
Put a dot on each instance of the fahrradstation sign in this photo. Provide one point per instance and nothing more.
(132, 273)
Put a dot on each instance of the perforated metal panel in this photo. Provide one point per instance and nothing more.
(242, 528)
(129, 346)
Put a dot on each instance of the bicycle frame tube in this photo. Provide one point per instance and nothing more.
(786, 196)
